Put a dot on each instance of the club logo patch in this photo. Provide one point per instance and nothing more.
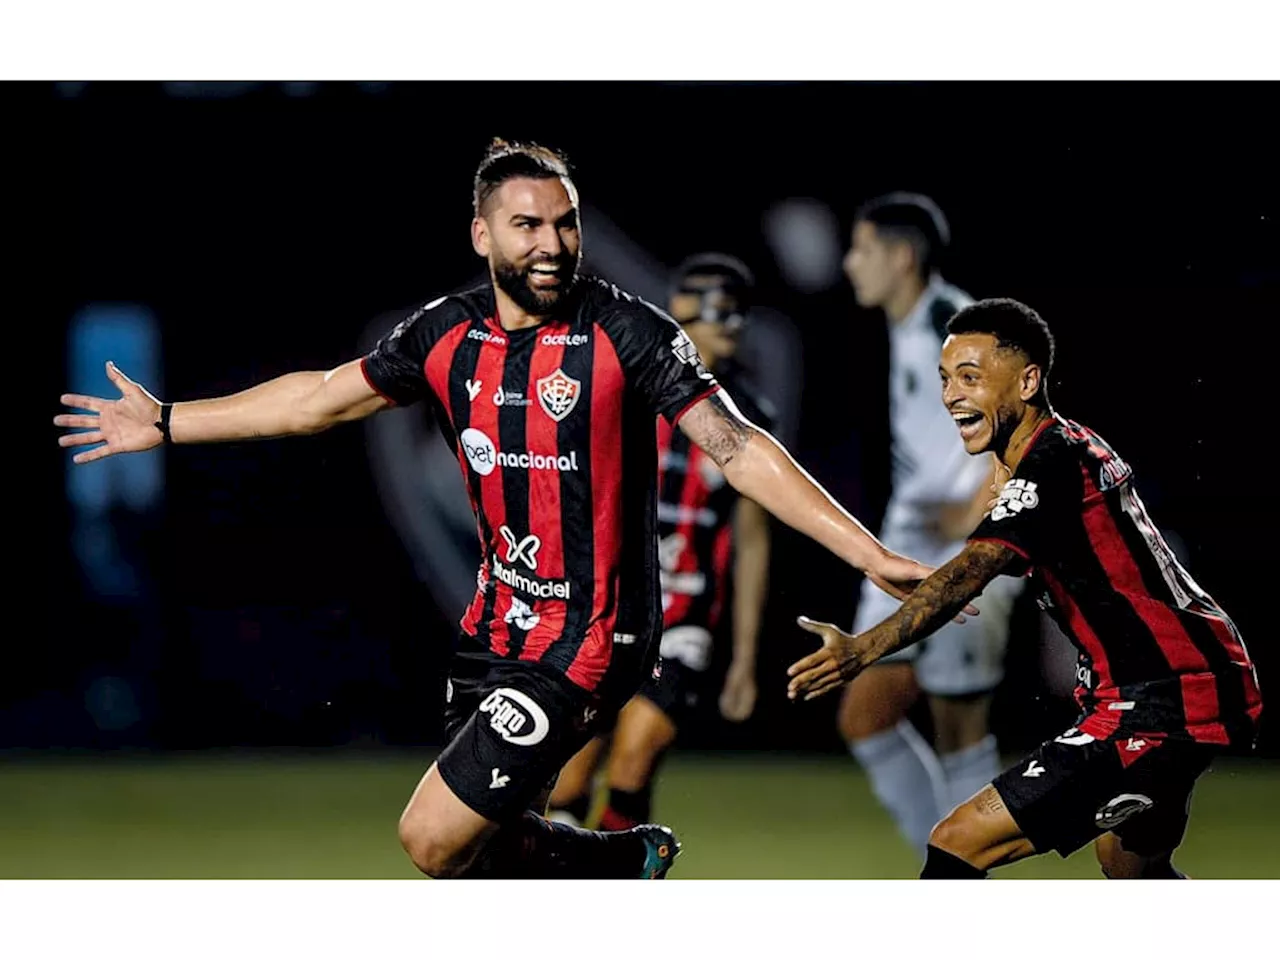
(558, 393)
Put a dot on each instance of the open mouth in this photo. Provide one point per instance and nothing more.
(969, 423)
(545, 275)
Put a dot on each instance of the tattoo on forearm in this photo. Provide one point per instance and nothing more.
(726, 435)
(944, 594)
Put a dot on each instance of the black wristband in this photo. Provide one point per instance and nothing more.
(166, 411)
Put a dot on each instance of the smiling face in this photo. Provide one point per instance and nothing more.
(986, 389)
(529, 232)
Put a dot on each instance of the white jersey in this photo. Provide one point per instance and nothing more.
(930, 464)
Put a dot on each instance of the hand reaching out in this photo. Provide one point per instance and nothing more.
(127, 425)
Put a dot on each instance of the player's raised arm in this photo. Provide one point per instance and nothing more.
(930, 605)
(295, 403)
(759, 468)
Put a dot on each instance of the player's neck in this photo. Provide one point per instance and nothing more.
(1022, 436)
(903, 300)
(510, 316)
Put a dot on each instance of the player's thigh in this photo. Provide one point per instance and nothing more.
(876, 699)
(527, 723)
(437, 828)
(1148, 815)
(982, 831)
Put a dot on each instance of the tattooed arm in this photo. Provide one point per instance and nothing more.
(932, 604)
(760, 469)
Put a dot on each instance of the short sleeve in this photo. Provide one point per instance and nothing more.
(396, 366)
(658, 358)
(1033, 503)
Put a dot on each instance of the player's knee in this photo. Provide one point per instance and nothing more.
(856, 723)
(429, 851)
(1117, 863)
(955, 833)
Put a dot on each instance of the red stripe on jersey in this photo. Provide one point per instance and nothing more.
(1234, 646)
(664, 432)
(607, 390)
(1199, 690)
(692, 496)
(541, 437)
(436, 369)
(1083, 632)
(720, 554)
(484, 418)
(439, 362)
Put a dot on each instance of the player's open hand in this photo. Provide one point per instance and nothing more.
(738, 698)
(127, 425)
(838, 662)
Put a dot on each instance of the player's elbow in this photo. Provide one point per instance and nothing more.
(753, 463)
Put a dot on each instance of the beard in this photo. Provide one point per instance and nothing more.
(1007, 419)
(514, 282)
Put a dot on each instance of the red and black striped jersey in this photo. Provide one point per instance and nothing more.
(553, 427)
(1158, 657)
(696, 509)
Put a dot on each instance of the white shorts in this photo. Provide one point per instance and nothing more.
(958, 659)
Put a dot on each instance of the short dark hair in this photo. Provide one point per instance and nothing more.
(1015, 327)
(910, 218)
(507, 159)
(733, 275)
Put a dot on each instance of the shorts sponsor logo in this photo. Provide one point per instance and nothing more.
(515, 717)
(1120, 808)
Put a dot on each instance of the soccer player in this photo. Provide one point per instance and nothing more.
(1165, 682)
(937, 498)
(702, 524)
(547, 384)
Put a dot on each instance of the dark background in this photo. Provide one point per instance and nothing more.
(266, 225)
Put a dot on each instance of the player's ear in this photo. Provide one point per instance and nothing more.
(480, 239)
(1029, 383)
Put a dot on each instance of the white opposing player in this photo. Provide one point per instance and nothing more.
(938, 496)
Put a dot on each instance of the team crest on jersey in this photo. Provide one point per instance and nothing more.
(558, 393)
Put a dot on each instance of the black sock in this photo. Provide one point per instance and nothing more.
(940, 865)
(627, 808)
(578, 807)
(535, 848)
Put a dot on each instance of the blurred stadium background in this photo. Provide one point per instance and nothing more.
(237, 672)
